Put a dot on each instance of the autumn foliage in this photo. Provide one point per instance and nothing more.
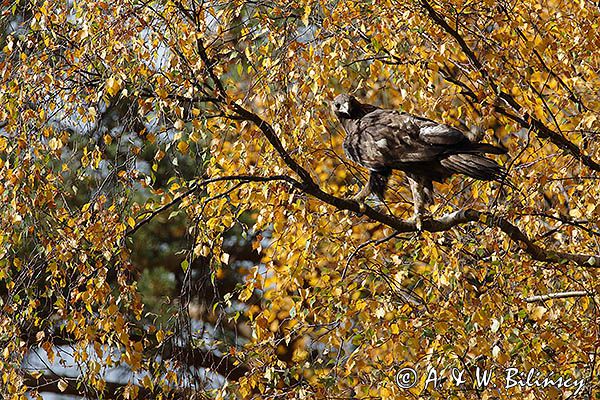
(176, 218)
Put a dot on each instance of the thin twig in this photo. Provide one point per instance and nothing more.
(365, 244)
(197, 186)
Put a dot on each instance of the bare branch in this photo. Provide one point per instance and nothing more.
(559, 295)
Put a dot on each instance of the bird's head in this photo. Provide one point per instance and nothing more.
(345, 106)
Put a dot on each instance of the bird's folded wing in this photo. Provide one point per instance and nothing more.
(390, 138)
(440, 134)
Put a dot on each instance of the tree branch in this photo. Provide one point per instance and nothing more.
(572, 95)
(225, 365)
(444, 223)
(560, 295)
(272, 137)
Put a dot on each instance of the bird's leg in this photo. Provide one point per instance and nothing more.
(417, 203)
(378, 182)
(427, 192)
(422, 193)
(376, 185)
(363, 194)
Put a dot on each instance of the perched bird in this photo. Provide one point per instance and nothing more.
(426, 151)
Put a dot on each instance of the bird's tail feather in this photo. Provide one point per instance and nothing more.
(475, 165)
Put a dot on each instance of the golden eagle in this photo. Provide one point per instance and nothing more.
(383, 140)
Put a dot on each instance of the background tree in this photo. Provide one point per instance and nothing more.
(175, 220)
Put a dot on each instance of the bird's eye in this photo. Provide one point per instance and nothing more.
(337, 105)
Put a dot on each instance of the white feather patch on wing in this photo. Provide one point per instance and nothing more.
(382, 143)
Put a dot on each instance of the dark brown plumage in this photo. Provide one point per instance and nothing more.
(383, 140)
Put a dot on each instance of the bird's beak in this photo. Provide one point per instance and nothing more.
(344, 109)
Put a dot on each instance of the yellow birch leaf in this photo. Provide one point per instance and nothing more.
(112, 86)
(538, 313)
(54, 144)
(183, 147)
(62, 385)
(225, 258)
(306, 14)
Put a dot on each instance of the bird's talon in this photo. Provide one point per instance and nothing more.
(362, 207)
(361, 204)
(360, 196)
(418, 221)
